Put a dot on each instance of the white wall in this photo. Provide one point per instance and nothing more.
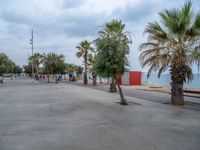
(125, 78)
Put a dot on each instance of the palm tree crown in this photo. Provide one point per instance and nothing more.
(84, 49)
(175, 41)
(36, 59)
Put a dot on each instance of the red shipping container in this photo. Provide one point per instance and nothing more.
(132, 78)
(135, 78)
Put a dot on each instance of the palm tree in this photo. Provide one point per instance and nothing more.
(70, 69)
(173, 44)
(36, 59)
(84, 49)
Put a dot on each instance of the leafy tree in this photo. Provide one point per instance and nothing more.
(6, 65)
(28, 68)
(112, 50)
(17, 69)
(70, 68)
(54, 64)
(79, 70)
(173, 44)
(84, 49)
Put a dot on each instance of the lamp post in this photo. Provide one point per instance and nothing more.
(31, 42)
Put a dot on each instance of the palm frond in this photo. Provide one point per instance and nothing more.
(175, 41)
(197, 22)
(194, 57)
(79, 54)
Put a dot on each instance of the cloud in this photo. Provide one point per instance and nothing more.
(59, 25)
(72, 3)
(134, 12)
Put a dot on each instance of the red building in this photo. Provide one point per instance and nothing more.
(130, 78)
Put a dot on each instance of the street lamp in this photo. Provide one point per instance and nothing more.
(31, 42)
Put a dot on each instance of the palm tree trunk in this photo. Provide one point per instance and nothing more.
(56, 80)
(37, 66)
(100, 80)
(48, 77)
(36, 77)
(177, 97)
(113, 86)
(94, 77)
(123, 100)
(85, 73)
(108, 80)
(85, 78)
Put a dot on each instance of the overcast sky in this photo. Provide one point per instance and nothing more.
(59, 25)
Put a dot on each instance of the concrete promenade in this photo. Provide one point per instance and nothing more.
(192, 101)
(62, 116)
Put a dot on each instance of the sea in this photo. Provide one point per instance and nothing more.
(165, 79)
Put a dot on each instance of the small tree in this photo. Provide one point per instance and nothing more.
(70, 69)
(112, 50)
(79, 70)
(17, 69)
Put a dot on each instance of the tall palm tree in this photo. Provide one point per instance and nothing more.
(173, 44)
(84, 49)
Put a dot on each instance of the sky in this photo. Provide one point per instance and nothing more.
(60, 25)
